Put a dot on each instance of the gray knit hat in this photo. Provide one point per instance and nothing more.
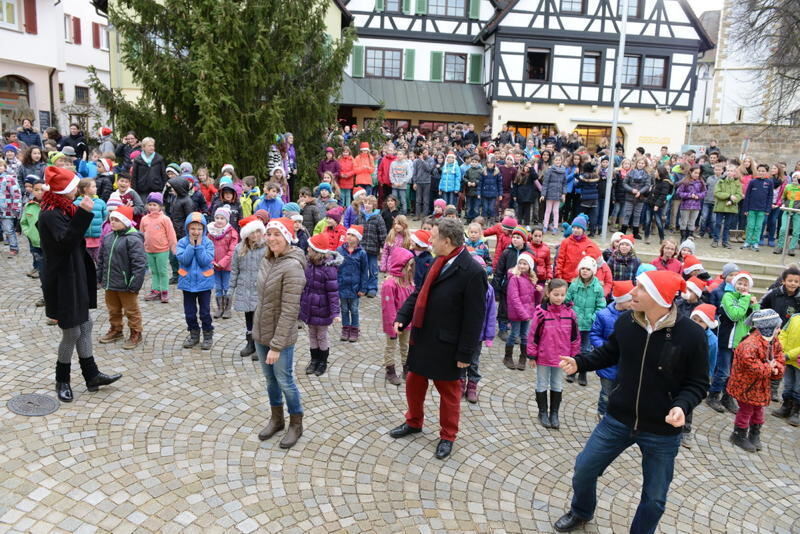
(728, 269)
(766, 321)
(688, 243)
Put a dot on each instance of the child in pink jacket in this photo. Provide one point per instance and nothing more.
(397, 287)
(522, 297)
(554, 333)
(225, 239)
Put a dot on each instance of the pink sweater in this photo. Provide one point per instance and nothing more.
(159, 234)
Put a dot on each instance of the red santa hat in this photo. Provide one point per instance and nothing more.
(364, 145)
(359, 192)
(526, 257)
(285, 227)
(662, 286)
(422, 238)
(319, 243)
(706, 313)
(626, 239)
(356, 230)
(123, 214)
(250, 225)
(105, 130)
(60, 181)
(696, 286)
(691, 264)
(742, 274)
(622, 291)
(106, 164)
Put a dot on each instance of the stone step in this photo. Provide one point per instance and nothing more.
(714, 264)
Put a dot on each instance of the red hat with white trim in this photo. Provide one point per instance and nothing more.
(123, 214)
(742, 274)
(356, 230)
(61, 181)
(707, 313)
(250, 225)
(696, 286)
(422, 238)
(359, 192)
(285, 227)
(622, 291)
(691, 264)
(628, 238)
(319, 243)
(363, 146)
(662, 286)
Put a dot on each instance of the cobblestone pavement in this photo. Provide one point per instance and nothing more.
(172, 447)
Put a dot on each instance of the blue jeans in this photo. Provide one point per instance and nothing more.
(372, 273)
(222, 281)
(594, 223)
(473, 207)
(771, 224)
(706, 219)
(400, 193)
(609, 439)
(349, 311)
(347, 196)
(651, 215)
(722, 370)
(473, 373)
(724, 221)
(37, 255)
(549, 378)
(791, 383)
(489, 207)
(280, 379)
(450, 197)
(192, 301)
(519, 329)
(8, 225)
(606, 385)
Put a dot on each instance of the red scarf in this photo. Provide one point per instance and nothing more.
(433, 274)
(52, 201)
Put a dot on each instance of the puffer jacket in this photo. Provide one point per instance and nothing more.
(590, 189)
(363, 167)
(224, 247)
(637, 179)
(491, 183)
(728, 189)
(319, 303)
(553, 333)
(374, 231)
(659, 193)
(472, 175)
(244, 277)
(687, 189)
(195, 262)
(36, 169)
(587, 300)
(541, 253)
(529, 189)
(673, 264)
(782, 303)
(606, 278)
(393, 295)
(789, 337)
(750, 372)
(602, 327)
(571, 252)
(758, 196)
(734, 309)
(623, 267)
(554, 183)
(521, 297)
(353, 273)
(99, 216)
(450, 180)
(122, 262)
(281, 280)
(490, 321)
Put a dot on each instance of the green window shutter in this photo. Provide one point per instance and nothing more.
(422, 7)
(407, 7)
(378, 5)
(474, 9)
(475, 68)
(358, 62)
(437, 66)
(408, 66)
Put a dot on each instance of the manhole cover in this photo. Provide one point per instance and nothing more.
(33, 404)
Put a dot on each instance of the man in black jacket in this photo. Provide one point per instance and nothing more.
(662, 375)
(446, 318)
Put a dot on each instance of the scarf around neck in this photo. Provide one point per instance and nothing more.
(422, 299)
(52, 201)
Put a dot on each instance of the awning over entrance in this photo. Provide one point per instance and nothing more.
(354, 95)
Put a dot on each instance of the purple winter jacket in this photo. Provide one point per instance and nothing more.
(554, 332)
(490, 322)
(319, 303)
(521, 298)
(695, 187)
(331, 166)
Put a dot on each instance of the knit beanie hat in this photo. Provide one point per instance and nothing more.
(158, 198)
(356, 230)
(662, 286)
(187, 168)
(587, 262)
(11, 148)
(292, 206)
(123, 214)
(526, 257)
(174, 168)
(579, 221)
(520, 231)
(689, 243)
(61, 181)
(706, 313)
(622, 291)
(263, 216)
(251, 225)
(766, 321)
(439, 202)
(223, 211)
(32, 179)
(285, 227)
(227, 168)
(114, 201)
(616, 236)
(335, 214)
(742, 274)
(319, 243)
(627, 238)
(325, 186)
(728, 269)
(645, 267)
(422, 238)
(691, 264)
(696, 286)
(508, 223)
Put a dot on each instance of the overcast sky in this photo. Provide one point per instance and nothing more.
(705, 5)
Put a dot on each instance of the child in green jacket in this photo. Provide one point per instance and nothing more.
(586, 295)
(28, 220)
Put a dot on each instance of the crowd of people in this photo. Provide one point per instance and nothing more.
(102, 218)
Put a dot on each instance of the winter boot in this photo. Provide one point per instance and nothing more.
(508, 360)
(226, 307)
(312, 365)
(582, 377)
(250, 347)
(113, 334)
(165, 297)
(94, 378)
(354, 332)
(739, 438)
(294, 432)
(794, 419)
(208, 340)
(714, 403)
(784, 410)
(133, 341)
(220, 307)
(636, 234)
(541, 402)
(322, 365)
(472, 392)
(391, 376)
(555, 403)
(523, 357)
(63, 389)
(755, 436)
(345, 336)
(729, 403)
(274, 425)
(773, 388)
(571, 378)
(192, 339)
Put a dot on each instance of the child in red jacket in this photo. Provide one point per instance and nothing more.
(503, 233)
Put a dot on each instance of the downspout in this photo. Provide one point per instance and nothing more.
(52, 103)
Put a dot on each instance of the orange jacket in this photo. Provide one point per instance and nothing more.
(363, 167)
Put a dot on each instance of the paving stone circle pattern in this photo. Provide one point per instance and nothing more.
(172, 446)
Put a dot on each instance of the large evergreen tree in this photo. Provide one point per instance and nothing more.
(220, 78)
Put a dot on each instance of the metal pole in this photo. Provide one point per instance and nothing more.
(788, 228)
(618, 64)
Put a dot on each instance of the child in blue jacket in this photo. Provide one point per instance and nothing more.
(757, 203)
(195, 254)
(353, 276)
(87, 186)
(704, 315)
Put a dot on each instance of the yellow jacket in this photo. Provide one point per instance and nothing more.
(790, 340)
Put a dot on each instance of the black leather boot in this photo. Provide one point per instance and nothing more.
(729, 403)
(322, 365)
(568, 522)
(714, 403)
(555, 403)
(582, 378)
(740, 439)
(249, 348)
(312, 365)
(773, 388)
(508, 360)
(785, 409)
(94, 378)
(63, 389)
(541, 402)
(755, 436)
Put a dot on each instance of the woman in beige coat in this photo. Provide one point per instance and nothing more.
(281, 279)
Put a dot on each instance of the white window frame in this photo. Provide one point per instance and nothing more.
(68, 34)
(4, 5)
(104, 37)
(451, 8)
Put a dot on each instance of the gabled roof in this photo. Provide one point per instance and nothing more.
(710, 21)
(417, 96)
(347, 17)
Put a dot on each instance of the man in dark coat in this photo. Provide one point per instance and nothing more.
(446, 316)
(70, 280)
(75, 139)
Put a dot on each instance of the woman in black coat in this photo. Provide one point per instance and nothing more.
(149, 170)
(70, 281)
(526, 195)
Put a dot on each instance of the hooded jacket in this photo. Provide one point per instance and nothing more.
(450, 179)
(224, 247)
(374, 231)
(571, 252)
(491, 184)
(503, 241)
(244, 277)
(29, 137)
(28, 220)
(734, 309)
(180, 206)
(521, 297)
(99, 216)
(727, 189)
(758, 196)
(353, 272)
(640, 180)
(789, 337)
(393, 295)
(122, 262)
(235, 206)
(363, 167)
(587, 300)
(782, 303)
(195, 262)
(346, 172)
(281, 280)
(553, 333)
(624, 266)
(602, 327)
(751, 373)
(78, 142)
(319, 302)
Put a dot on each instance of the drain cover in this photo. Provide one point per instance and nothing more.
(33, 404)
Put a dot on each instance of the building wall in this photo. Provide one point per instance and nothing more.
(767, 144)
(365, 113)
